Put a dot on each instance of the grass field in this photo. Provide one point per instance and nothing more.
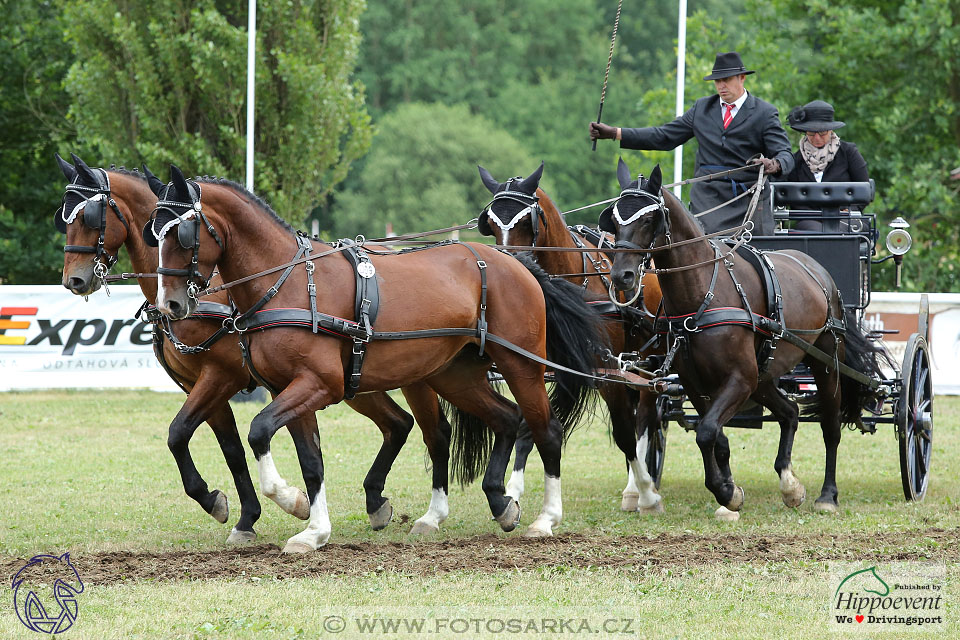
(89, 473)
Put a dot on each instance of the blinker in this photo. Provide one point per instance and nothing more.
(93, 212)
(187, 233)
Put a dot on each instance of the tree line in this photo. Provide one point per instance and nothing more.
(377, 113)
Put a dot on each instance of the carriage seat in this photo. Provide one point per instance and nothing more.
(822, 201)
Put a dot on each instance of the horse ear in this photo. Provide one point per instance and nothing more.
(531, 182)
(623, 174)
(83, 170)
(69, 172)
(147, 233)
(656, 179)
(488, 180)
(153, 181)
(179, 182)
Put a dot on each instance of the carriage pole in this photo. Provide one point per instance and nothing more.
(606, 74)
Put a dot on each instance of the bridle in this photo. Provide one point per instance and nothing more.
(188, 234)
(611, 220)
(94, 201)
(531, 209)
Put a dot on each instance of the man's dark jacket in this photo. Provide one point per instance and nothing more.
(755, 129)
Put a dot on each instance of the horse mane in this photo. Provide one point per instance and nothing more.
(260, 202)
(126, 172)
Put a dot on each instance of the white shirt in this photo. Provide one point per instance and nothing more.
(736, 107)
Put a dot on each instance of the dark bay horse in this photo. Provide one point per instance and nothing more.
(717, 356)
(210, 378)
(521, 214)
(488, 299)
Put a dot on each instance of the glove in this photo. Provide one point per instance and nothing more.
(601, 131)
(770, 166)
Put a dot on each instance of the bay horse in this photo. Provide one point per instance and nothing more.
(521, 214)
(720, 322)
(468, 306)
(120, 202)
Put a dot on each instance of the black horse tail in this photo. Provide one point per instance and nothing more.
(471, 442)
(865, 356)
(574, 338)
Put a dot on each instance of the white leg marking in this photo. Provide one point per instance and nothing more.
(273, 486)
(791, 489)
(648, 498)
(515, 485)
(552, 511)
(436, 514)
(318, 530)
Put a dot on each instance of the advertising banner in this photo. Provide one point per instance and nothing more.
(52, 339)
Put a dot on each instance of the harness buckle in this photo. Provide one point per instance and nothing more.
(695, 329)
(309, 266)
(481, 264)
(312, 289)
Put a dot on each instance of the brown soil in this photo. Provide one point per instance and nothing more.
(490, 553)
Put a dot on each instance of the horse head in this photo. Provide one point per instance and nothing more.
(35, 610)
(93, 235)
(514, 216)
(637, 219)
(175, 229)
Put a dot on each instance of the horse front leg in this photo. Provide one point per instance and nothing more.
(521, 452)
(395, 425)
(296, 406)
(648, 501)
(436, 433)
(720, 409)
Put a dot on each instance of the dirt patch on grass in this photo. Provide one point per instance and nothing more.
(490, 553)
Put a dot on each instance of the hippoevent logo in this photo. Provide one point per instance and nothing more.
(68, 334)
(893, 597)
(45, 593)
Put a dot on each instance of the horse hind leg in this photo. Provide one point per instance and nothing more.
(792, 490)
(828, 395)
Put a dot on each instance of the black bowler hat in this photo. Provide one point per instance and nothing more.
(726, 65)
(814, 116)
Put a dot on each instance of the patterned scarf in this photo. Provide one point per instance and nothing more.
(818, 159)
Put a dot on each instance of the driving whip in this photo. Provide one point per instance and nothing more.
(606, 74)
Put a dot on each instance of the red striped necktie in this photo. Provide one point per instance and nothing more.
(728, 116)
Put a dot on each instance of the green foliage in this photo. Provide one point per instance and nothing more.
(34, 60)
(891, 72)
(422, 171)
(166, 82)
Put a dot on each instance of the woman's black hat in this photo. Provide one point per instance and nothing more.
(814, 116)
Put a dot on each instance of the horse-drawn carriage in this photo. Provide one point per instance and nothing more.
(844, 240)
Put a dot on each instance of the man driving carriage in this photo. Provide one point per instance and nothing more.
(733, 128)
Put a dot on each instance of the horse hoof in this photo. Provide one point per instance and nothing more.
(302, 508)
(421, 528)
(380, 518)
(630, 502)
(241, 537)
(654, 509)
(510, 518)
(532, 532)
(736, 502)
(824, 506)
(796, 497)
(297, 547)
(726, 515)
(221, 509)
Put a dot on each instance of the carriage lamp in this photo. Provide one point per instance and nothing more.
(898, 242)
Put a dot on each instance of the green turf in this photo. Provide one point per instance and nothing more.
(90, 471)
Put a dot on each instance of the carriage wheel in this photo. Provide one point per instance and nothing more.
(915, 419)
(657, 446)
